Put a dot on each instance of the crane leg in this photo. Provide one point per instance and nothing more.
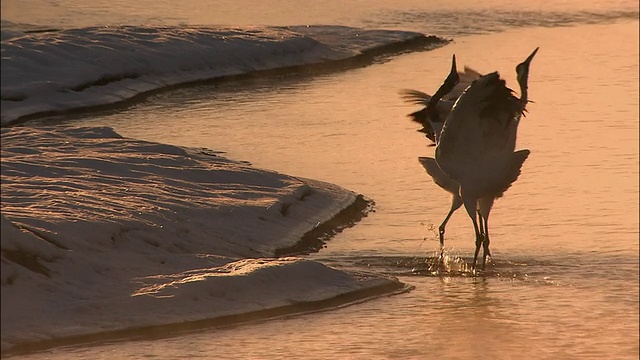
(479, 241)
(485, 245)
(456, 202)
(480, 222)
(471, 206)
(485, 205)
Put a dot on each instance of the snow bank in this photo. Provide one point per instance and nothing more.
(103, 234)
(56, 71)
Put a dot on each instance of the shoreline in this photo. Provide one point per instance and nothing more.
(332, 51)
(90, 236)
(316, 238)
(177, 329)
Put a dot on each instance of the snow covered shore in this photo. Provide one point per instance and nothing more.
(57, 71)
(113, 236)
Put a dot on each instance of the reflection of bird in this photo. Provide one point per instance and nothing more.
(443, 106)
(476, 145)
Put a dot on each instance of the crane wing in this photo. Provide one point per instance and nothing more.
(439, 177)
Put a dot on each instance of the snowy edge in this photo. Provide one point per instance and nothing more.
(52, 263)
(67, 71)
(154, 332)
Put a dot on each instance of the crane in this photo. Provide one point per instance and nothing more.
(476, 162)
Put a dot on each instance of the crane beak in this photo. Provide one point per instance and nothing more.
(528, 60)
(523, 69)
(449, 83)
(454, 68)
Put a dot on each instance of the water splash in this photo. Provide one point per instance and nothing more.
(451, 265)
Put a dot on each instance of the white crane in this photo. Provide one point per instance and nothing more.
(432, 131)
(499, 103)
(477, 142)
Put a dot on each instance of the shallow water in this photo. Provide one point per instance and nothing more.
(564, 282)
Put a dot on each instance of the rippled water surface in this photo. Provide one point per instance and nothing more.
(564, 281)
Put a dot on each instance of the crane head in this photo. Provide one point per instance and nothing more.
(522, 71)
(449, 83)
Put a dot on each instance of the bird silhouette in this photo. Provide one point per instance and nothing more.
(443, 106)
(432, 131)
(483, 149)
(477, 142)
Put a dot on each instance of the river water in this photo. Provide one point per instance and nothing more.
(564, 278)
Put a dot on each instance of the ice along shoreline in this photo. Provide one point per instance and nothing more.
(105, 237)
(75, 70)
